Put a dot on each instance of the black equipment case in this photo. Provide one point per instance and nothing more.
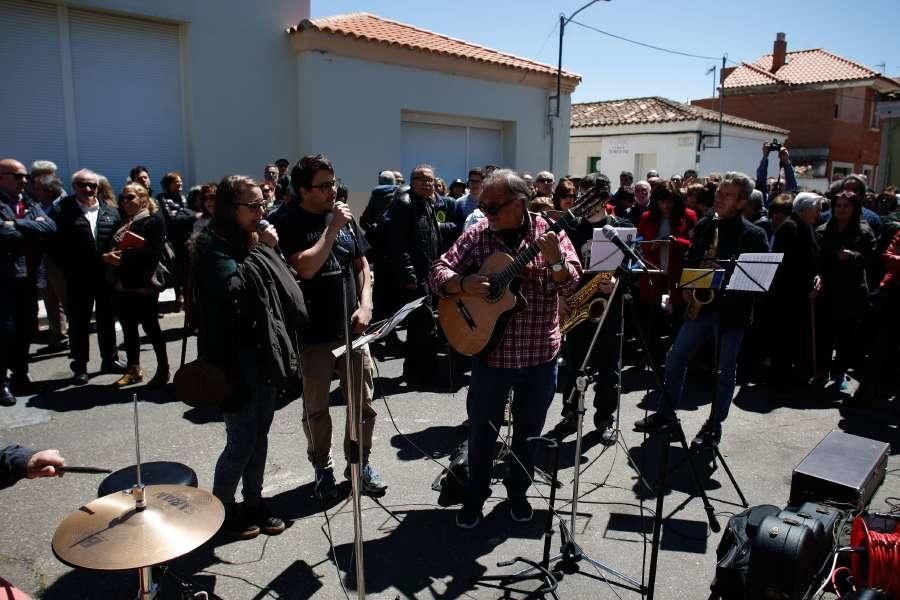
(783, 561)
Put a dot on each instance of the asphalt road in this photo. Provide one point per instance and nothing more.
(421, 554)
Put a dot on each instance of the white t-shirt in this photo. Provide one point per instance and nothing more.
(90, 213)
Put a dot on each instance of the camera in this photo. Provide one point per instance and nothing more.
(775, 146)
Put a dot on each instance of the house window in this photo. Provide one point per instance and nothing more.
(836, 110)
(840, 169)
(873, 120)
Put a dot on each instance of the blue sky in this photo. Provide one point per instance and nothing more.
(610, 68)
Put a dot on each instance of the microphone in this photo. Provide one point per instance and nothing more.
(261, 227)
(609, 232)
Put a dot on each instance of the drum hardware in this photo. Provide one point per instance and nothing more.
(139, 528)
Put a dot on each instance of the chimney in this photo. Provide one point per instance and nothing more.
(779, 50)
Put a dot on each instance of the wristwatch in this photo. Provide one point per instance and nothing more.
(558, 266)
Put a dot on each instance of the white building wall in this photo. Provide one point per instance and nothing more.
(240, 92)
(618, 153)
(350, 110)
(675, 149)
(741, 151)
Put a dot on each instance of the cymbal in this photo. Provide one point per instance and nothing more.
(110, 534)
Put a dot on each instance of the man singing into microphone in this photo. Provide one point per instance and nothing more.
(321, 241)
(525, 359)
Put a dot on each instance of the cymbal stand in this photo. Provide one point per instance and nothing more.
(147, 588)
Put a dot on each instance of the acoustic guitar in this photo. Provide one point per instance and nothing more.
(474, 325)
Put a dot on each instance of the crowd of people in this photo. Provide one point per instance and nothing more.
(267, 270)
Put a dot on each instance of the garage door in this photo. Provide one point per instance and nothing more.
(450, 149)
(108, 99)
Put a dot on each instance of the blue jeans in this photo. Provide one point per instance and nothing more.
(691, 337)
(246, 444)
(533, 389)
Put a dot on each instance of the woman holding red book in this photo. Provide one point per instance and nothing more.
(139, 244)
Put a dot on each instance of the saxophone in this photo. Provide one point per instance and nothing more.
(701, 297)
(583, 305)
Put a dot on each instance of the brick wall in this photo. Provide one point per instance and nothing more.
(809, 115)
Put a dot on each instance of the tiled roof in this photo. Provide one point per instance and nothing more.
(368, 27)
(802, 67)
(640, 111)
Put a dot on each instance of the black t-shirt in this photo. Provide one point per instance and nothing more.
(299, 230)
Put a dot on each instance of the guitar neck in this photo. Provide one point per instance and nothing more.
(515, 268)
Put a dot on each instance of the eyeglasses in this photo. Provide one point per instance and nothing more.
(87, 185)
(493, 209)
(15, 175)
(129, 197)
(325, 186)
(543, 180)
(252, 205)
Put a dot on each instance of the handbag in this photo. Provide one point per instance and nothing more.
(163, 277)
(201, 384)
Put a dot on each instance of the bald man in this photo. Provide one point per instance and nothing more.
(24, 226)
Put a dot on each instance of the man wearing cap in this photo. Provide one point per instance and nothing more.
(372, 223)
(457, 189)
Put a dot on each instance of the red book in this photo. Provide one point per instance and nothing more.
(131, 240)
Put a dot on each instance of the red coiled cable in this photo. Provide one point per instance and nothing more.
(879, 566)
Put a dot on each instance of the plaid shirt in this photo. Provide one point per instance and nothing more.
(532, 336)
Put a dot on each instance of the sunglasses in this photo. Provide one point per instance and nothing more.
(543, 180)
(129, 197)
(493, 209)
(15, 175)
(325, 186)
(87, 185)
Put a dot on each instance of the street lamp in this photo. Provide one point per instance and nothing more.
(563, 21)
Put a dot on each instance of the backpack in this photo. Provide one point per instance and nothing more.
(733, 553)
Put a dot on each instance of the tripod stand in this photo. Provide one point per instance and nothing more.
(571, 553)
(541, 569)
(672, 432)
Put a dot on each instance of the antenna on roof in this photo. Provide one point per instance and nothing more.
(881, 67)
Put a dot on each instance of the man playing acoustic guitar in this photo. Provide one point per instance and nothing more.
(524, 360)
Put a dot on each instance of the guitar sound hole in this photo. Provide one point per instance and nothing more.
(496, 292)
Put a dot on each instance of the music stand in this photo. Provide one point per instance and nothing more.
(354, 415)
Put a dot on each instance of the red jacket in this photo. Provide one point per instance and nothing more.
(891, 258)
(649, 230)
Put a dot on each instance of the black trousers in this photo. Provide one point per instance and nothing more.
(83, 294)
(421, 340)
(136, 308)
(18, 299)
(604, 362)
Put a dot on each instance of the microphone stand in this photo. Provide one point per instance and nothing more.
(354, 423)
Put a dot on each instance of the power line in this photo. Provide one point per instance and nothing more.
(651, 46)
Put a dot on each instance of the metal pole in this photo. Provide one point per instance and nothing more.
(562, 32)
(721, 100)
(353, 424)
(138, 490)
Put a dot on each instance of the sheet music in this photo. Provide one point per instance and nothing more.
(604, 255)
(383, 329)
(754, 272)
